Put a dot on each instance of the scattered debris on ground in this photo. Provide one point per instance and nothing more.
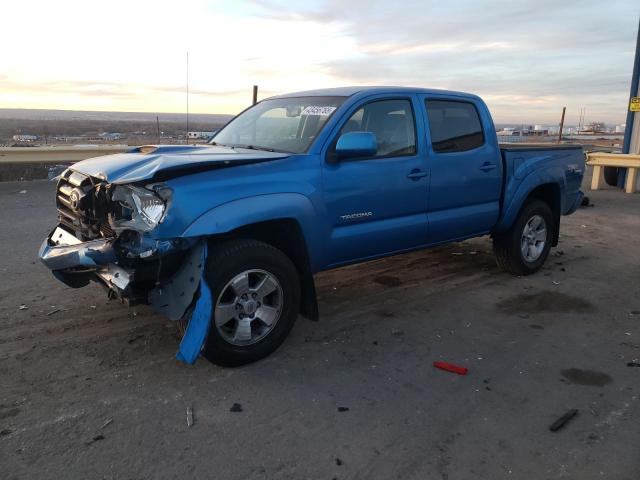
(107, 423)
(450, 367)
(526, 330)
(586, 202)
(343, 409)
(95, 439)
(189, 417)
(236, 407)
(135, 337)
(563, 420)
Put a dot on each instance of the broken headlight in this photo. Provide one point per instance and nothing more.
(136, 208)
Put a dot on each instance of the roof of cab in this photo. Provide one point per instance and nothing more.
(349, 91)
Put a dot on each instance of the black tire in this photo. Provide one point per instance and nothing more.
(611, 176)
(507, 247)
(231, 258)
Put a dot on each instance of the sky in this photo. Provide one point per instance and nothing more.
(527, 59)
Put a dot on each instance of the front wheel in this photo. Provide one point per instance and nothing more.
(524, 248)
(256, 292)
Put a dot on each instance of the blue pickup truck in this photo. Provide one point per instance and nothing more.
(225, 238)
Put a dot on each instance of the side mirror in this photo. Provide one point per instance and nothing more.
(356, 145)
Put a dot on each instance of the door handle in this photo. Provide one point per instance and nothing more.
(487, 166)
(416, 174)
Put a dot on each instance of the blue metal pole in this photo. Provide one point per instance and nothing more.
(635, 78)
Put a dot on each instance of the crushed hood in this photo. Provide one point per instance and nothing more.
(160, 162)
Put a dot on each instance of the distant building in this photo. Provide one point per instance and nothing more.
(110, 136)
(25, 138)
(538, 131)
(594, 127)
(508, 131)
(201, 135)
(620, 128)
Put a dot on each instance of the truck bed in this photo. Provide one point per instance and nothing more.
(528, 166)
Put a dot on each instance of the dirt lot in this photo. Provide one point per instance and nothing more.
(90, 389)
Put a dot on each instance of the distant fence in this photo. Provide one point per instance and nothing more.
(55, 154)
(527, 138)
(34, 163)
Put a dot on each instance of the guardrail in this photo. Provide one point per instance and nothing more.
(599, 160)
(34, 163)
(55, 154)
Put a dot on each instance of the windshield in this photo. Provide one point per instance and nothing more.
(281, 124)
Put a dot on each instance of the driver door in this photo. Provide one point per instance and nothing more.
(377, 205)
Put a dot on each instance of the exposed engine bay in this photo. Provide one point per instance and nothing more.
(101, 236)
(93, 208)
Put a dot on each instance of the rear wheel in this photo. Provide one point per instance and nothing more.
(611, 176)
(256, 292)
(524, 248)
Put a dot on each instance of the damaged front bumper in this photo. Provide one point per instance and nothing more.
(181, 295)
(75, 263)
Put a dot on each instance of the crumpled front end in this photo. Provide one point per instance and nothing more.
(75, 262)
(103, 232)
(105, 235)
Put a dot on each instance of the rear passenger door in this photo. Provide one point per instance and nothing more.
(465, 169)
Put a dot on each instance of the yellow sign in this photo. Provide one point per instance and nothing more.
(634, 104)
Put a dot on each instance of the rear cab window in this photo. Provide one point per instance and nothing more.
(454, 126)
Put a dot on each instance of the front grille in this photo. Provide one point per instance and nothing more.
(80, 207)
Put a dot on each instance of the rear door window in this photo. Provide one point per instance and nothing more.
(454, 126)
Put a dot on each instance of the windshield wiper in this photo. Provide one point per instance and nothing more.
(255, 147)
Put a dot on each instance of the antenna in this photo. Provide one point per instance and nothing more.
(187, 134)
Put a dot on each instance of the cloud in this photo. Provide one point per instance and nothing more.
(113, 89)
(75, 87)
(546, 54)
(527, 59)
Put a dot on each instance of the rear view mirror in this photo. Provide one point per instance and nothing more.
(356, 145)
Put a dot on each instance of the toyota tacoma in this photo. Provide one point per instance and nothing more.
(225, 238)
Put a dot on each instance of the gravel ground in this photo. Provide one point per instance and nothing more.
(91, 389)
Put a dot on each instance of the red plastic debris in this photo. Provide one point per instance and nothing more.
(450, 367)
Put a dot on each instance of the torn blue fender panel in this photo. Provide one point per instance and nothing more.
(174, 297)
(198, 326)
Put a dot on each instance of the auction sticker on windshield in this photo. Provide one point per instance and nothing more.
(318, 110)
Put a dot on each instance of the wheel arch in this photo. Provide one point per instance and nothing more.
(286, 235)
(548, 192)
